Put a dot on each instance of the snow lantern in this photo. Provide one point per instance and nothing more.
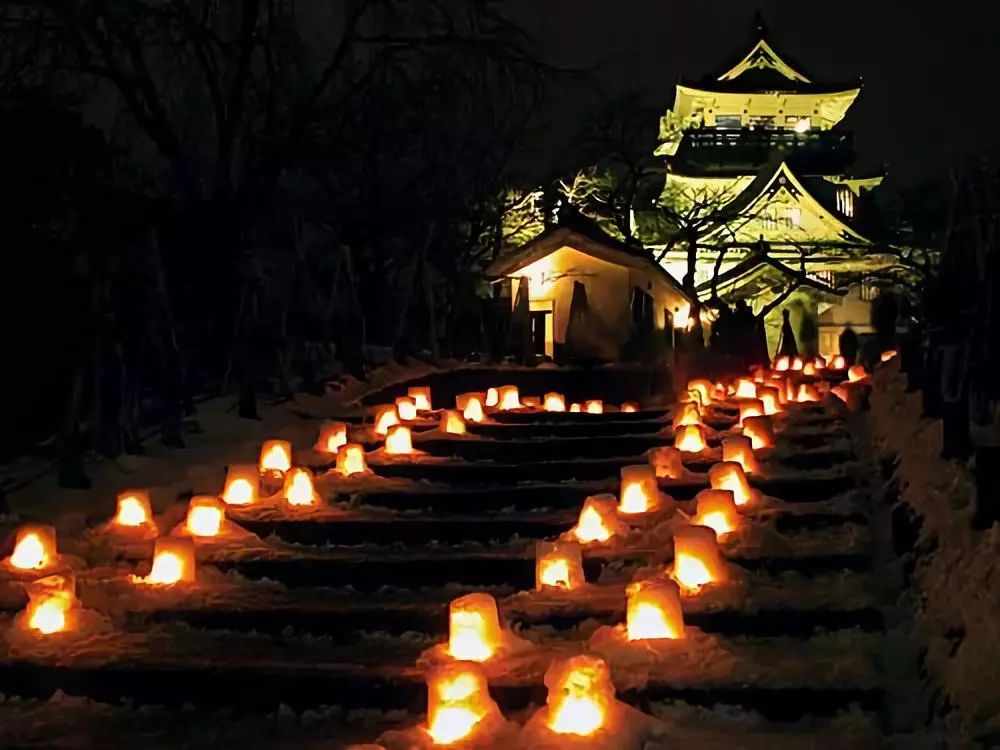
(474, 632)
(760, 431)
(406, 408)
(134, 509)
(841, 392)
(575, 408)
(452, 422)
(690, 439)
(555, 402)
(458, 702)
(399, 441)
(205, 516)
(332, 435)
(492, 397)
(472, 411)
(739, 448)
(887, 355)
(351, 460)
(34, 548)
(819, 362)
(598, 520)
(807, 393)
(580, 695)
(751, 407)
(629, 407)
(275, 456)
(508, 398)
(558, 565)
(797, 364)
(809, 368)
(703, 388)
(716, 509)
(697, 560)
(173, 562)
(666, 462)
(839, 363)
(856, 373)
(745, 388)
(385, 417)
(531, 402)
(728, 475)
(299, 488)
(51, 601)
(688, 413)
(770, 399)
(421, 395)
(782, 363)
(654, 611)
(639, 492)
(242, 485)
(594, 406)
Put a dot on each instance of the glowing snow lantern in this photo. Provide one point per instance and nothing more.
(819, 362)
(173, 562)
(716, 509)
(654, 611)
(580, 695)
(782, 363)
(474, 632)
(452, 422)
(839, 362)
(351, 460)
(807, 393)
(558, 565)
(598, 520)
(275, 456)
(399, 441)
(703, 388)
(594, 406)
(555, 402)
(421, 395)
(688, 413)
(739, 449)
(34, 548)
(473, 411)
(720, 392)
(639, 493)
(690, 439)
(492, 397)
(797, 364)
(728, 475)
(531, 402)
(760, 431)
(242, 485)
(666, 462)
(50, 602)
(406, 409)
(841, 392)
(332, 435)
(509, 398)
(856, 373)
(629, 407)
(385, 417)
(887, 355)
(745, 388)
(809, 368)
(205, 516)
(134, 509)
(458, 702)
(299, 488)
(770, 400)
(697, 560)
(752, 407)
(575, 408)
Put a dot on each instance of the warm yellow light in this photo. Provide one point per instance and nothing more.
(385, 417)
(770, 400)
(841, 392)
(133, 509)
(839, 363)
(856, 373)
(50, 615)
(406, 408)
(205, 516)
(751, 408)
(782, 363)
(34, 548)
(242, 485)
(797, 364)
(728, 475)
(575, 408)
(452, 422)
(421, 395)
(819, 362)
(639, 492)
(399, 441)
(654, 611)
(598, 520)
(275, 455)
(629, 407)
(760, 431)
(492, 397)
(351, 460)
(458, 701)
(531, 402)
(807, 393)
(299, 488)
(703, 388)
(716, 509)
(173, 562)
(558, 565)
(580, 694)
(666, 462)
(739, 448)
(555, 402)
(809, 369)
(803, 125)
(745, 388)
(508, 398)
(595, 406)
(332, 435)
(473, 411)
(690, 439)
(474, 632)
(688, 413)
(682, 318)
(697, 560)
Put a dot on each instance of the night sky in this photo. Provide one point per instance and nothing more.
(930, 69)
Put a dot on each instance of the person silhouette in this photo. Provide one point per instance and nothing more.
(849, 344)
(786, 345)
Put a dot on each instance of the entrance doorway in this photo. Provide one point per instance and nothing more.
(542, 339)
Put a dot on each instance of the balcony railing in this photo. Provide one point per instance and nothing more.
(814, 150)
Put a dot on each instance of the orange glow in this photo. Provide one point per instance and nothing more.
(575, 408)
(688, 413)
(385, 417)
(809, 369)
(751, 408)
(473, 411)
(34, 548)
(205, 516)
(580, 695)
(595, 406)
(134, 509)
(558, 565)
(406, 409)
(807, 393)
(745, 388)
(492, 397)
(630, 407)
(770, 400)
(797, 363)
(697, 560)
(555, 402)
(716, 509)
(690, 439)
(421, 395)
(654, 611)
(839, 362)
(703, 388)
(452, 422)
(50, 602)
(841, 392)
(598, 520)
(332, 435)
(856, 373)
(739, 449)
(173, 562)
(299, 488)
(508, 398)
(399, 441)
(692, 397)
(639, 492)
(719, 394)
(474, 632)
(887, 355)
(531, 402)
(242, 485)
(666, 462)
(275, 455)
(351, 460)
(760, 431)
(728, 475)
(458, 701)
(782, 363)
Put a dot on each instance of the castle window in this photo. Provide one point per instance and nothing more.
(728, 122)
(761, 121)
(845, 202)
(798, 124)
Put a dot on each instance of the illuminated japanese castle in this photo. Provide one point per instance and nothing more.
(762, 140)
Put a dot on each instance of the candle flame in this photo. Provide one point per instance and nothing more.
(239, 492)
(30, 552)
(204, 520)
(580, 691)
(654, 611)
(690, 439)
(691, 572)
(133, 509)
(299, 488)
(458, 701)
(168, 568)
(275, 455)
(591, 527)
(173, 562)
(554, 573)
(49, 615)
